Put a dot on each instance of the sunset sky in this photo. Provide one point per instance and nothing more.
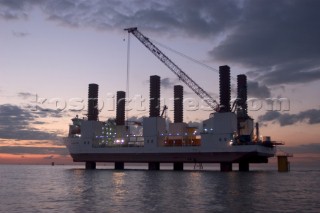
(52, 49)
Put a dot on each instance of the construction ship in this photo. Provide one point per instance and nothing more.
(229, 136)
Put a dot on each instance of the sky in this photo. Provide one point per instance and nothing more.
(52, 49)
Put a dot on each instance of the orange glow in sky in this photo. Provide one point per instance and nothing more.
(34, 159)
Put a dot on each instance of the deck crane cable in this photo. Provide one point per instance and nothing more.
(128, 75)
(234, 105)
(175, 69)
(128, 79)
(189, 58)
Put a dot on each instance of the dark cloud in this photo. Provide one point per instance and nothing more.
(38, 122)
(17, 4)
(277, 41)
(16, 9)
(12, 115)
(47, 112)
(20, 150)
(254, 90)
(194, 18)
(168, 83)
(311, 116)
(15, 124)
(296, 71)
(26, 95)
(257, 90)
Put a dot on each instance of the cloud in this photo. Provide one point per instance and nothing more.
(19, 34)
(186, 17)
(47, 112)
(311, 116)
(257, 90)
(15, 124)
(12, 115)
(33, 143)
(20, 150)
(254, 90)
(277, 41)
(26, 95)
(168, 83)
(16, 9)
(201, 18)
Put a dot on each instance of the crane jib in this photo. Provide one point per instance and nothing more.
(174, 68)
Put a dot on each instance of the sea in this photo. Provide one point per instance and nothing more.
(61, 188)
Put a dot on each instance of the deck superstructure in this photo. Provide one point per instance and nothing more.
(226, 137)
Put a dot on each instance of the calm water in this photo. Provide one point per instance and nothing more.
(73, 189)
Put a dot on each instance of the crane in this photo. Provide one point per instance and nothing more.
(174, 68)
(164, 110)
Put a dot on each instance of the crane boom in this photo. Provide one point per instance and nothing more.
(174, 68)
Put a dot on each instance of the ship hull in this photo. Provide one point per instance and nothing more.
(209, 157)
